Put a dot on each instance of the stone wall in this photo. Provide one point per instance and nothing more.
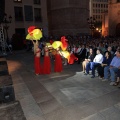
(114, 17)
(68, 17)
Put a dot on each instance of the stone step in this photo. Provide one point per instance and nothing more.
(11, 111)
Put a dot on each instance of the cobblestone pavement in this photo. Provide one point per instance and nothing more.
(69, 95)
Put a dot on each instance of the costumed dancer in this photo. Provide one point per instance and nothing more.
(58, 62)
(37, 52)
(35, 34)
(46, 63)
(72, 58)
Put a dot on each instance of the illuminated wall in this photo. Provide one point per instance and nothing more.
(114, 16)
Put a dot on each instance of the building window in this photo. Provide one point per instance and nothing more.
(99, 5)
(37, 2)
(18, 13)
(37, 14)
(96, 5)
(106, 5)
(18, 1)
(28, 13)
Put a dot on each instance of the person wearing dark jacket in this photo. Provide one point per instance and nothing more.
(106, 62)
(82, 54)
(89, 59)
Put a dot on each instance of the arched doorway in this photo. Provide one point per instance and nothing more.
(118, 30)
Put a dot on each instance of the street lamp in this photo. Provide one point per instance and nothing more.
(91, 21)
(5, 22)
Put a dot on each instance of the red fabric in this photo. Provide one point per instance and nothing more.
(31, 28)
(72, 59)
(64, 43)
(46, 65)
(58, 63)
(37, 65)
(51, 41)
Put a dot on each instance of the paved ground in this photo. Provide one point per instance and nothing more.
(68, 95)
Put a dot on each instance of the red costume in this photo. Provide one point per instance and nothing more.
(72, 59)
(37, 65)
(46, 65)
(58, 63)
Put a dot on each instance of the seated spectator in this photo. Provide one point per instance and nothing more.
(82, 54)
(118, 78)
(105, 65)
(96, 62)
(110, 50)
(102, 47)
(76, 50)
(115, 66)
(87, 50)
(89, 59)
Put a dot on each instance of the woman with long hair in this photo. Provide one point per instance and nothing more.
(89, 59)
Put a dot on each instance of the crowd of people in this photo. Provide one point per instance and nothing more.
(101, 55)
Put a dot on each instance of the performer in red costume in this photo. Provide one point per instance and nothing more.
(58, 62)
(72, 58)
(37, 65)
(46, 63)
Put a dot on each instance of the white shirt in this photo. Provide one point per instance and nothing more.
(78, 50)
(98, 58)
(74, 49)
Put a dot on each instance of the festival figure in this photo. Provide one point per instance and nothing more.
(46, 63)
(37, 52)
(58, 62)
(72, 59)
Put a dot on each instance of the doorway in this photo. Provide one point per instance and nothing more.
(18, 38)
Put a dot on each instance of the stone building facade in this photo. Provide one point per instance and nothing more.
(68, 17)
(114, 17)
(26, 13)
(97, 7)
